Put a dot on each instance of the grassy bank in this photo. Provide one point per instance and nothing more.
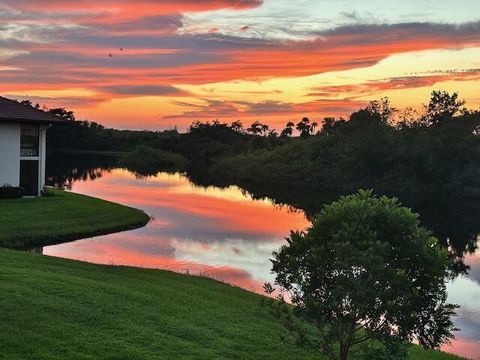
(60, 309)
(26, 223)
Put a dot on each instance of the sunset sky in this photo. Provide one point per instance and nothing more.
(173, 62)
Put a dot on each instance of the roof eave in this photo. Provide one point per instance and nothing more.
(35, 121)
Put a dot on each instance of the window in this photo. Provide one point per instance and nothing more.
(29, 139)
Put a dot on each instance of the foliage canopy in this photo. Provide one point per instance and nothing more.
(367, 271)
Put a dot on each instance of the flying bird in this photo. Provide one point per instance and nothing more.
(110, 55)
(121, 49)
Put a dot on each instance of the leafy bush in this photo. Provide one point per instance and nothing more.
(11, 192)
(48, 191)
(366, 272)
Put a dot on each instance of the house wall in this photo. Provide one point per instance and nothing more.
(9, 154)
(42, 157)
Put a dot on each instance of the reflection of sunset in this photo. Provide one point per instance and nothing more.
(220, 233)
(229, 208)
(465, 291)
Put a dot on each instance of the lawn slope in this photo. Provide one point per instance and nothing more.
(60, 309)
(27, 223)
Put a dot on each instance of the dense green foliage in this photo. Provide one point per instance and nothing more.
(430, 162)
(146, 161)
(28, 223)
(90, 136)
(60, 309)
(366, 272)
(11, 192)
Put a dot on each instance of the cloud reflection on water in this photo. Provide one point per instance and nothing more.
(220, 233)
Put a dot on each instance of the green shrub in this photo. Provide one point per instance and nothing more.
(48, 191)
(11, 192)
(362, 274)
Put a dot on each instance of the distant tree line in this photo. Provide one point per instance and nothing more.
(88, 135)
(428, 160)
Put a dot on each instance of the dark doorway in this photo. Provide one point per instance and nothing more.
(29, 176)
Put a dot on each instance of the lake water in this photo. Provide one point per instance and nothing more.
(223, 234)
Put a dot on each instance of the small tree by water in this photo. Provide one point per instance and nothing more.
(370, 279)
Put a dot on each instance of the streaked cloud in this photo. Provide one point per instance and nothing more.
(400, 82)
(132, 90)
(176, 50)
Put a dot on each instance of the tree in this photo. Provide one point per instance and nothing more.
(288, 131)
(328, 125)
(62, 113)
(255, 128)
(381, 109)
(367, 271)
(272, 133)
(237, 126)
(28, 102)
(264, 129)
(304, 128)
(408, 117)
(443, 106)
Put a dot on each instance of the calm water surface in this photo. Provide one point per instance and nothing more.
(220, 233)
(223, 234)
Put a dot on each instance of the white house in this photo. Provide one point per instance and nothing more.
(23, 138)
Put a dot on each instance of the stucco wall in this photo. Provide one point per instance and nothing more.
(42, 157)
(9, 154)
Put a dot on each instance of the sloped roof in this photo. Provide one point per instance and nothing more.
(13, 111)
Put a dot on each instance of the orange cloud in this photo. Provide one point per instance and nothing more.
(114, 11)
(395, 83)
(117, 49)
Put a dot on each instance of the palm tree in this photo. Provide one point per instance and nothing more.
(255, 128)
(288, 131)
(328, 124)
(304, 127)
(272, 133)
(264, 129)
(237, 126)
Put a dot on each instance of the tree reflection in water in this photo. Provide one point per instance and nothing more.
(455, 222)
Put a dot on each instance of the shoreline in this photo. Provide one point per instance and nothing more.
(61, 218)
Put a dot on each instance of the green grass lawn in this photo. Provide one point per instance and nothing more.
(60, 309)
(26, 223)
